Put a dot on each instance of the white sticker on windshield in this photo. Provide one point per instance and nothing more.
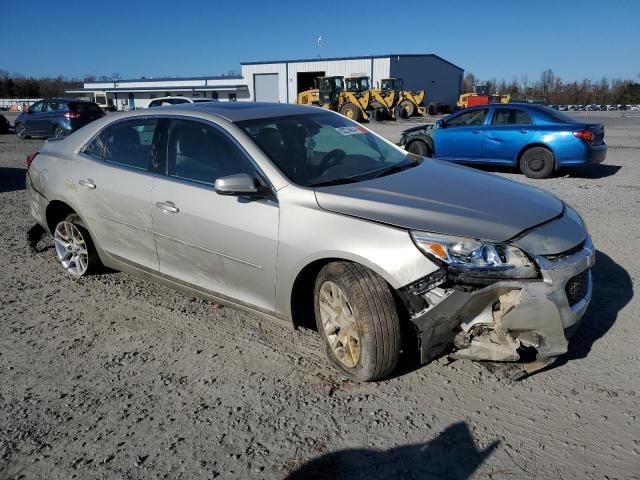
(351, 130)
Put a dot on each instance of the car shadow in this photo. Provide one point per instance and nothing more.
(612, 290)
(592, 172)
(453, 455)
(12, 179)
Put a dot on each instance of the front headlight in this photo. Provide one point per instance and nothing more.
(470, 258)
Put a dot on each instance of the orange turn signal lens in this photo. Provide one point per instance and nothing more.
(436, 249)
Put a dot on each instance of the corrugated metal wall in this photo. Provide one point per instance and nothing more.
(440, 80)
(248, 71)
(376, 68)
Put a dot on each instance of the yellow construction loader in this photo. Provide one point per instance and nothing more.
(380, 105)
(410, 102)
(330, 93)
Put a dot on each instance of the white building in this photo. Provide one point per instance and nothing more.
(137, 93)
(282, 80)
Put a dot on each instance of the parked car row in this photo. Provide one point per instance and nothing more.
(535, 138)
(594, 107)
(212, 199)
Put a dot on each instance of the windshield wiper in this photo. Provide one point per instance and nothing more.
(335, 181)
(394, 169)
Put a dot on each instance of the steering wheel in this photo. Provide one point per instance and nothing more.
(330, 159)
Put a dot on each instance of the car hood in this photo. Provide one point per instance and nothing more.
(441, 197)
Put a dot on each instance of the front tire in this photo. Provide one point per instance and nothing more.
(420, 147)
(537, 162)
(74, 248)
(358, 320)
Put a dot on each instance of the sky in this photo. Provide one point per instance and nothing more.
(492, 39)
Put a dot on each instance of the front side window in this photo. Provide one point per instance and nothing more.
(324, 148)
(37, 107)
(129, 143)
(510, 116)
(201, 153)
(468, 119)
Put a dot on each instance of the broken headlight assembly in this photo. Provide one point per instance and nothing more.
(469, 259)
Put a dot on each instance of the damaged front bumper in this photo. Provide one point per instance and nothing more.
(501, 321)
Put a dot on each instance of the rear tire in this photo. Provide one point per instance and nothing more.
(351, 111)
(358, 320)
(420, 147)
(537, 162)
(21, 131)
(408, 107)
(74, 248)
(58, 132)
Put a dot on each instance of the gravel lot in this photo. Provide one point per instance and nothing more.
(114, 377)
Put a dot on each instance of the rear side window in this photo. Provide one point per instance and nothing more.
(510, 116)
(129, 143)
(52, 107)
(96, 146)
(85, 107)
(202, 153)
(468, 119)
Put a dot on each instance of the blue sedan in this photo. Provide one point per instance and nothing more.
(535, 138)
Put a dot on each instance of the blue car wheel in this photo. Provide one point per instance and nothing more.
(536, 162)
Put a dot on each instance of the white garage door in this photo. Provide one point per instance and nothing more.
(266, 87)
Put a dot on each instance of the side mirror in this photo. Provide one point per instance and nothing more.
(440, 124)
(239, 184)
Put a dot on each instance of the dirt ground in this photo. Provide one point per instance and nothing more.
(114, 377)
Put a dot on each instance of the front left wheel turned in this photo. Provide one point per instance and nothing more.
(74, 247)
(358, 320)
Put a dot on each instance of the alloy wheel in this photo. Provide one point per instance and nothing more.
(71, 248)
(20, 130)
(339, 324)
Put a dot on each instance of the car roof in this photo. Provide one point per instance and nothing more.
(239, 111)
(68, 100)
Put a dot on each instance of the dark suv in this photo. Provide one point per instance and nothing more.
(56, 117)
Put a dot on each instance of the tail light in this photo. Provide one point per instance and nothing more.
(30, 158)
(71, 115)
(586, 135)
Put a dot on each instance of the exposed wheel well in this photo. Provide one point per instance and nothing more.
(302, 312)
(56, 212)
(533, 145)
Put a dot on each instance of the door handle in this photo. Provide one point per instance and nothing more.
(476, 131)
(523, 131)
(88, 183)
(168, 207)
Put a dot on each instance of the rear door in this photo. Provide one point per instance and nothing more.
(460, 137)
(52, 111)
(510, 130)
(217, 243)
(113, 179)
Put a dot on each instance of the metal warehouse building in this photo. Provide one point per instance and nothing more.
(281, 81)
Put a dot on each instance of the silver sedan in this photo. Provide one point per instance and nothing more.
(298, 213)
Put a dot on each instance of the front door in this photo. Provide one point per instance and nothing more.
(113, 181)
(33, 120)
(460, 137)
(221, 244)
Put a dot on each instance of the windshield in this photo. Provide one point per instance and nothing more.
(358, 84)
(324, 148)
